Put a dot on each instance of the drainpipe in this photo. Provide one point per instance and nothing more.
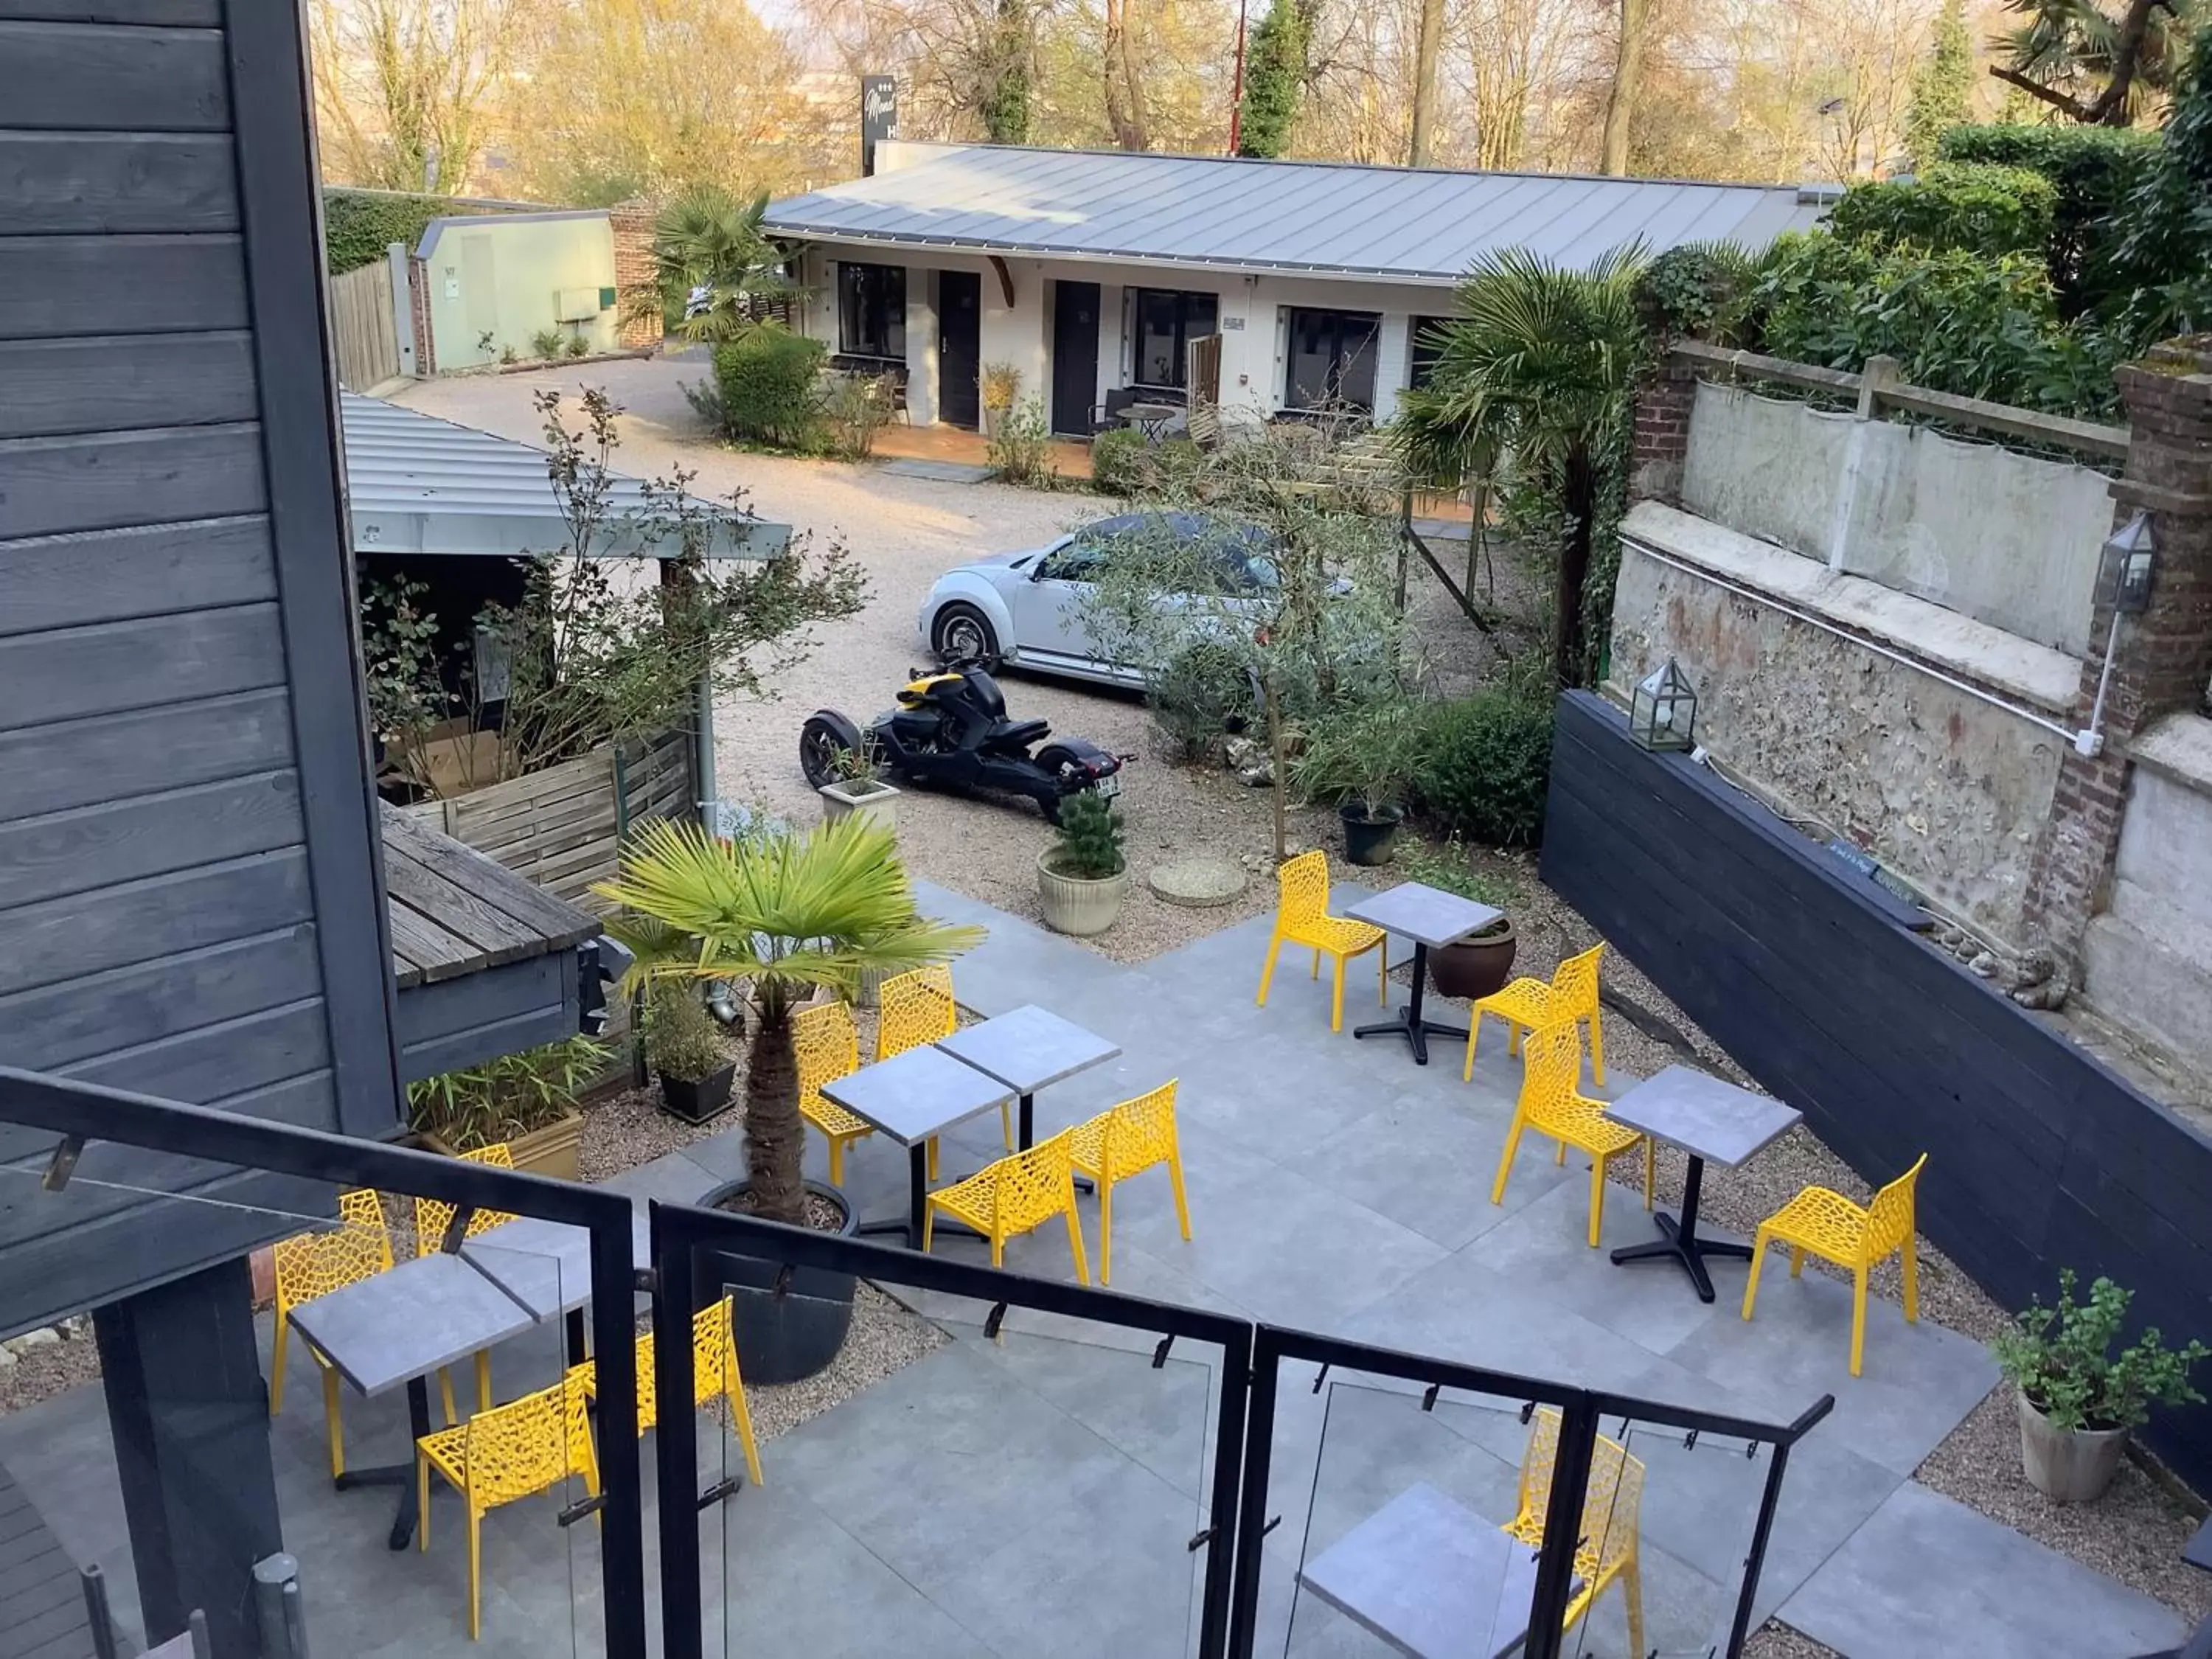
(710, 804)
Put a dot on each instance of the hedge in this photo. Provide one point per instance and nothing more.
(2091, 168)
(359, 224)
(1980, 208)
(770, 381)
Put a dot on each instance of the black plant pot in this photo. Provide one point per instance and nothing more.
(695, 1100)
(786, 1328)
(1368, 833)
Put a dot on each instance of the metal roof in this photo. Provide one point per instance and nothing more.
(1320, 218)
(418, 484)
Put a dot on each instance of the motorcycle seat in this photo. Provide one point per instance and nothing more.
(1017, 733)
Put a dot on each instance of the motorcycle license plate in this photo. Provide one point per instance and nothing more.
(1108, 786)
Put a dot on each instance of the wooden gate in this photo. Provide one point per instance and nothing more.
(1204, 369)
(363, 327)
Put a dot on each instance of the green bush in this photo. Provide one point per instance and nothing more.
(1089, 845)
(547, 342)
(770, 383)
(2062, 1359)
(1483, 765)
(2091, 168)
(1118, 461)
(357, 224)
(1204, 694)
(1976, 206)
(1019, 449)
(1695, 291)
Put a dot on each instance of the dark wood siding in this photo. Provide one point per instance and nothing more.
(189, 897)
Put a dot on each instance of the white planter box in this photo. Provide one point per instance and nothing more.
(877, 802)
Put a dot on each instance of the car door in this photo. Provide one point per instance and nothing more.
(1049, 621)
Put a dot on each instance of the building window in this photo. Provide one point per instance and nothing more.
(1167, 321)
(871, 311)
(1332, 358)
(1428, 347)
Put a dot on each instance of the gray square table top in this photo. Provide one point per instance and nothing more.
(1425, 914)
(387, 1330)
(1431, 1577)
(546, 1265)
(1029, 1047)
(918, 1094)
(1703, 1116)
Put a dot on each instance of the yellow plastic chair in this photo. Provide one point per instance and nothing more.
(1302, 918)
(1018, 1195)
(715, 1375)
(1527, 1004)
(827, 1047)
(918, 1007)
(1608, 1548)
(503, 1455)
(314, 1264)
(1831, 1226)
(1552, 1103)
(1125, 1140)
(432, 1218)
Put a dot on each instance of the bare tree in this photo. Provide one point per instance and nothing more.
(1428, 44)
(1125, 91)
(404, 88)
(1627, 74)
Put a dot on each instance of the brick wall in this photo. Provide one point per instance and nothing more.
(1662, 441)
(2162, 658)
(633, 227)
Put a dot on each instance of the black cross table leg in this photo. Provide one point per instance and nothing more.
(1410, 1024)
(1026, 1137)
(917, 1199)
(401, 1475)
(1678, 1241)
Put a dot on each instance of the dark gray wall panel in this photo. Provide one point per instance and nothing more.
(92, 847)
(49, 768)
(2039, 1157)
(204, 1067)
(99, 285)
(105, 668)
(63, 183)
(457, 1022)
(116, 383)
(151, 570)
(165, 14)
(141, 920)
(92, 78)
(106, 481)
(50, 1027)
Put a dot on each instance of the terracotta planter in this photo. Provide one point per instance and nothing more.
(1078, 905)
(697, 1099)
(1474, 968)
(2067, 1465)
(877, 802)
(554, 1150)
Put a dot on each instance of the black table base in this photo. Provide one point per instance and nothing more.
(1407, 1022)
(401, 1475)
(1678, 1241)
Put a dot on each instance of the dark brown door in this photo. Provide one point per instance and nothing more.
(1074, 357)
(959, 347)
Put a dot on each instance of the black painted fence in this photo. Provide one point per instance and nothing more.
(2039, 1157)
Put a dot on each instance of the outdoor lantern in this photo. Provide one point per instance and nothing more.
(1664, 711)
(2131, 555)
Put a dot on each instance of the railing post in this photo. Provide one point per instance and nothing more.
(1563, 1530)
(1756, 1561)
(1233, 1400)
(676, 1448)
(1252, 1498)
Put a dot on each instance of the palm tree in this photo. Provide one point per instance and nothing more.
(783, 914)
(1537, 369)
(714, 264)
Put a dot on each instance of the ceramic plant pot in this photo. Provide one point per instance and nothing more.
(877, 802)
(1076, 904)
(696, 1099)
(1474, 968)
(2067, 1465)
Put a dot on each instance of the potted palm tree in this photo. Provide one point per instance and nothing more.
(781, 914)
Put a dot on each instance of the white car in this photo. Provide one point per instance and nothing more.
(1026, 610)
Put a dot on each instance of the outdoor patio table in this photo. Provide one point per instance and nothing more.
(911, 1097)
(546, 1265)
(1152, 419)
(1707, 1119)
(1029, 1049)
(393, 1330)
(1427, 915)
(1431, 1577)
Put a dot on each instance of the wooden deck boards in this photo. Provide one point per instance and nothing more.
(455, 911)
(42, 1613)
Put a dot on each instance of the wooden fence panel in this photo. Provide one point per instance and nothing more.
(363, 327)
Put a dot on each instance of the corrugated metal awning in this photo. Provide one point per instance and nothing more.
(418, 484)
(1308, 218)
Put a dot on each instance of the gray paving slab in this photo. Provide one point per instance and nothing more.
(1929, 1578)
(918, 1094)
(1426, 915)
(671, 1178)
(387, 1330)
(1029, 1047)
(1704, 1115)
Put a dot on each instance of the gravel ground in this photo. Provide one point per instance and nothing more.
(885, 1337)
(40, 1373)
(908, 531)
(1776, 1640)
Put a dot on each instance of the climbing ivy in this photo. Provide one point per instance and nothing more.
(1275, 70)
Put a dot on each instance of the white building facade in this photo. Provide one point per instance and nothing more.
(1094, 274)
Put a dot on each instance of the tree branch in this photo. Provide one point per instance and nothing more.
(2072, 106)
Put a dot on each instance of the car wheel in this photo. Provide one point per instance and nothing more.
(963, 634)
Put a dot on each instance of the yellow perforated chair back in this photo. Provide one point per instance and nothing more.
(1609, 1545)
(1552, 1069)
(1574, 986)
(433, 1216)
(916, 1008)
(1139, 1133)
(522, 1448)
(1301, 888)
(312, 1265)
(1030, 1187)
(827, 1047)
(1889, 1218)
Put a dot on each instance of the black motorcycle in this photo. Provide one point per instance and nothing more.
(951, 727)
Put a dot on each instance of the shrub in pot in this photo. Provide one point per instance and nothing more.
(860, 787)
(684, 1045)
(527, 1100)
(1362, 757)
(2079, 1400)
(782, 915)
(1084, 875)
(997, 387)
(1479, 966)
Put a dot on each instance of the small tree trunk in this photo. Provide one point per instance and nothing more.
(1627, 74)
(775, 1136)
(1428, 44)
(1567, 644)
(1275, 783)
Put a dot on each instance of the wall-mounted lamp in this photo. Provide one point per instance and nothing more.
(2130, 561)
